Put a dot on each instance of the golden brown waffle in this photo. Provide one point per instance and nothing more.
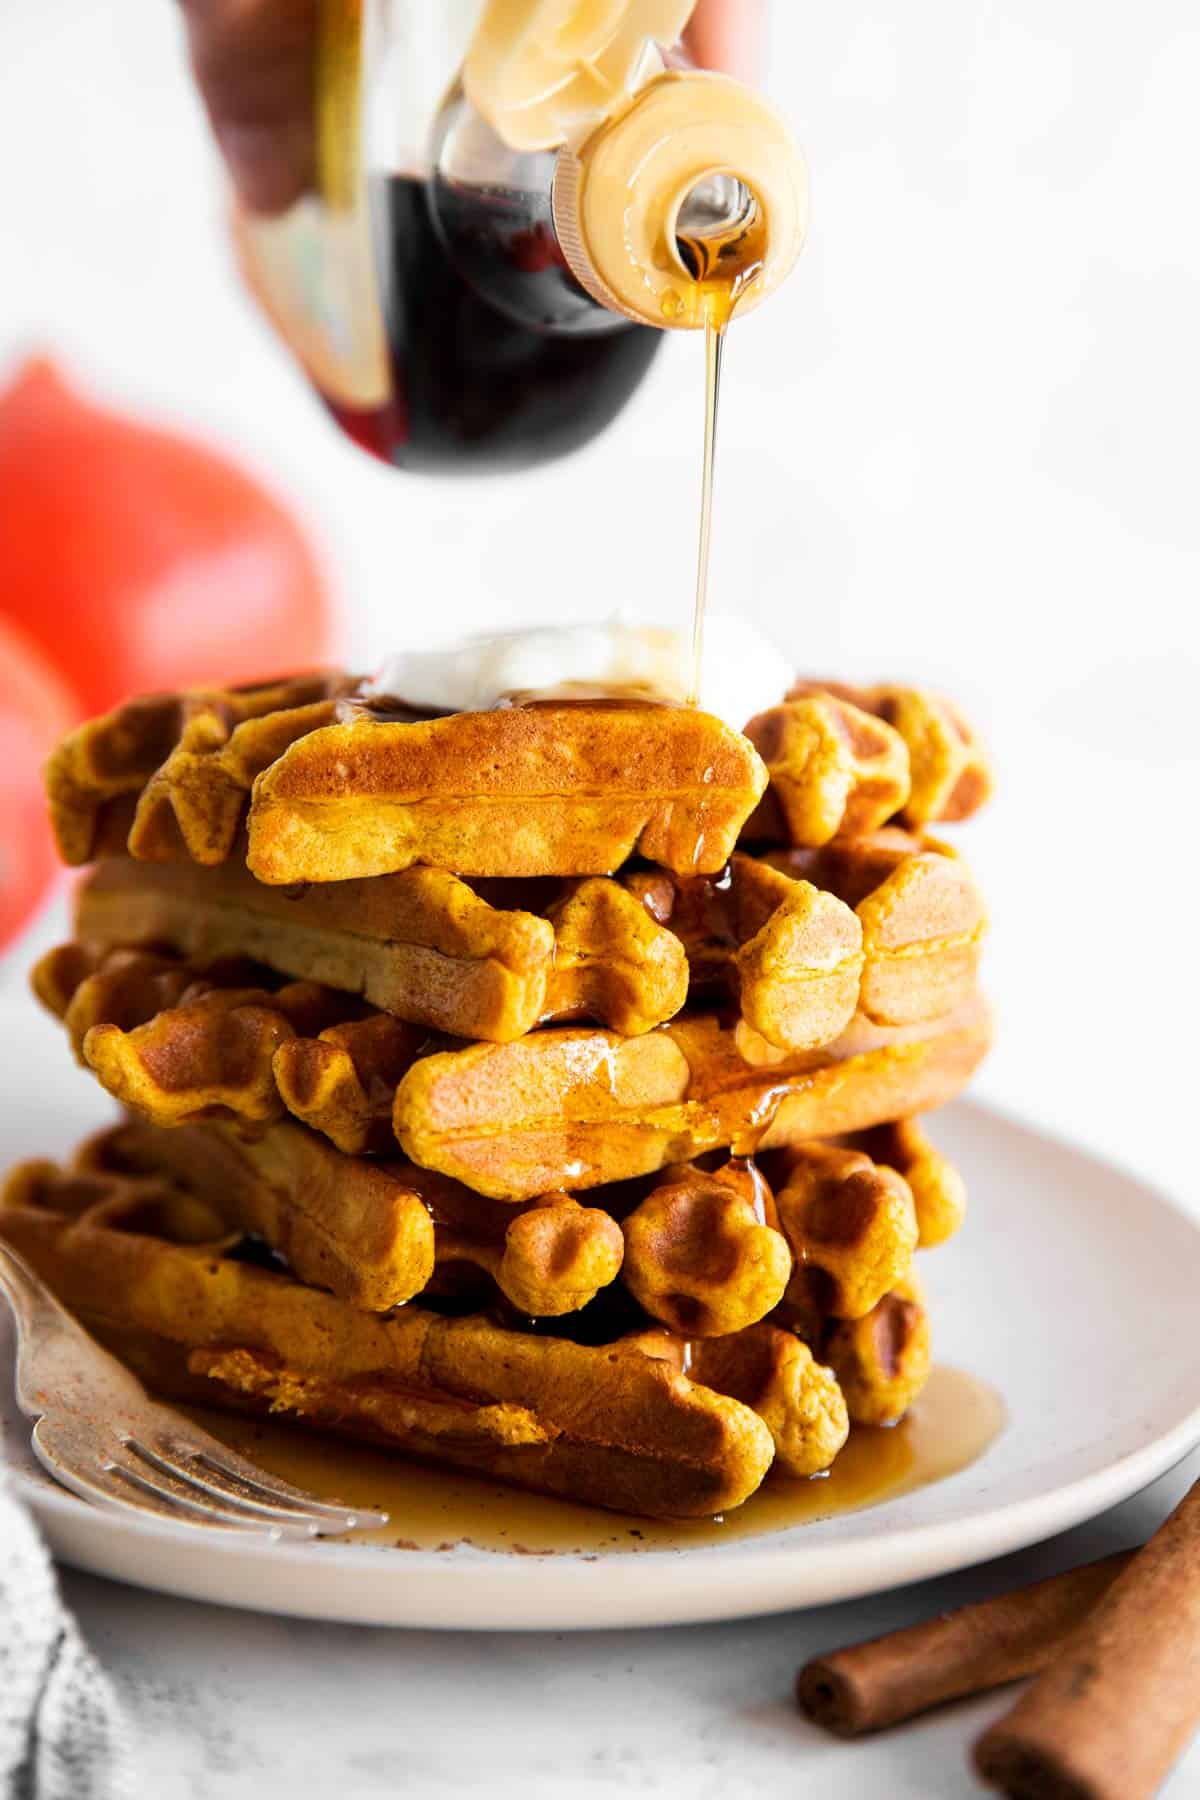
(882, 1361)
(553, 788)
(790, 955)
(890, 922)
(835, 770)
(887, 922)
(119, 987)
(799, 959)
(560, 1109)
(546, 789)
(775, 1373)
(350, 1226)
(568, 1108)
(213, 740)
(428, 948)
(922, 918)
(950, 776)
(608, 1425)
(701, 1255)
(550, 1257)
(938, 1190)
(705, 1254)
(851, 1227)
(210, 1050)
(613, 961)
(375, 1233)
(421, 944)
(343, 1082)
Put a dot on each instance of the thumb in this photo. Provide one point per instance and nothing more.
(729, 35)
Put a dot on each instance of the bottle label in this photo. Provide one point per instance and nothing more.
(313, 269)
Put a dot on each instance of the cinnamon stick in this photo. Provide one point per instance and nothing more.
(1109, 1717)
(968, 1651)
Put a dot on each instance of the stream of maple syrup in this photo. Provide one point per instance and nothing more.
(722, 264)
(955, 1420)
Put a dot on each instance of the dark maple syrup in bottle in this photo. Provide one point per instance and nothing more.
(474, 388)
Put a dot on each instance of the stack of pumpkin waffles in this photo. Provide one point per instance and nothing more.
(535, 1091)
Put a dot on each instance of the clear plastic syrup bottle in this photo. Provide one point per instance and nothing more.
(514, 202)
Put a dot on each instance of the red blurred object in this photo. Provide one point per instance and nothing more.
(36, 708)
(138, 560)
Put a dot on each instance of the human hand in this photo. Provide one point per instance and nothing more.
(253, 63)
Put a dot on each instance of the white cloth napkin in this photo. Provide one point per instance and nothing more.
(62, 1734)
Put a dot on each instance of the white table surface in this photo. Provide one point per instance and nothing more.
(960, 446)
(232, 1704)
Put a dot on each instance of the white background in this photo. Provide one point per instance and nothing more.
(961, 446)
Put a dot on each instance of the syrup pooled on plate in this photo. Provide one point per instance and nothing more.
(949, 1427)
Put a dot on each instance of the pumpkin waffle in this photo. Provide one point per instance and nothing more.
(334, 790)
(151, 1271)
(211, 1050)
(564, 1108)
(343, 1083)
(881, 1361)
(350, 1226)
(222, 1050)
(938, 1190)
(374, 1233)
(704, 1252)
(887, 922)
(125, 754)
(922, 917)
(844, 761)
(421, 944)
(775, 1373)
(569, 1108)
(551, 788)
(851, 1226)
(711, 1252)
(950, 776)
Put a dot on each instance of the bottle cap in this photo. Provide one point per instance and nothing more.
(621, 200)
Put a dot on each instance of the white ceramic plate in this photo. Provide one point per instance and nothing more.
(1072, 1289)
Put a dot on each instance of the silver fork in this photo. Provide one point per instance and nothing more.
(99, 1434)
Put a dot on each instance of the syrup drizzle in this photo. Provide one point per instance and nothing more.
(723, 264)
(949, 1427)
(714, 352)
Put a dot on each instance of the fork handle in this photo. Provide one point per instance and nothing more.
(31, 1300)
(42, 1325)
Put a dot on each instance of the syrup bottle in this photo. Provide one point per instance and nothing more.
(516, 197)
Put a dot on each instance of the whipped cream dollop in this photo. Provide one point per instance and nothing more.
(741, 672)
